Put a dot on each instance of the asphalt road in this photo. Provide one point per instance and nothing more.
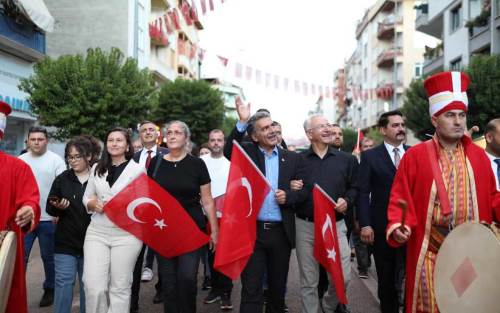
(361, 293)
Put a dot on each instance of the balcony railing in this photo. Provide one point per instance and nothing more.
(23, 40)
(386, 57)
(387, 27)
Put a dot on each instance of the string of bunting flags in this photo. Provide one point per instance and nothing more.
(168, 23)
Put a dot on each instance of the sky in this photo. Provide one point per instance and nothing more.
(305, 40)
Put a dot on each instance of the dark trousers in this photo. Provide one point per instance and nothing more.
(363, 252)
(179, 282)
(45, 232)
(150, 256)
(272, 253)
(136, 282)
(221, 284)
(388, 264)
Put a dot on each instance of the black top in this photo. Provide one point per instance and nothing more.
(114, 171)
(73, 221)
(182, 180)
(336, 173)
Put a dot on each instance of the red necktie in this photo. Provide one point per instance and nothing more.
(148, 159)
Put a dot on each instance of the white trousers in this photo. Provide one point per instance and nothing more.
(309, 267)
(110, 254)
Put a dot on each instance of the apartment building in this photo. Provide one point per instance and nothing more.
(388, 56)
(125, 24)
(23, 27)
(465, 28)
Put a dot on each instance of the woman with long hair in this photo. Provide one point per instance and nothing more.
(186, 178)
(65, 203)
(110, 253)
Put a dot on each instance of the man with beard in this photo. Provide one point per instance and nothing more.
(444, 182)
(337, 137)
(376, 173)
(492, 136)
(218, 168)
(275, 221)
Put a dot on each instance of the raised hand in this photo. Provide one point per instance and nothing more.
(243, 110)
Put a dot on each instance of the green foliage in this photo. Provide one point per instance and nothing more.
(416, 110)
(228, 124)
(194, 102)
(375, 135)
(350, 138)
(484, 96)
(89, 94)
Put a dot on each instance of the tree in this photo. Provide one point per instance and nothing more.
(484, 96)
(89, 94)
(375, 135)
(416, 110)
(350, 138)
(194, 102)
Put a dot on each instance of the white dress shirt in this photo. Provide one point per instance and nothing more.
(494, 166)
(390, 150)
(144, 154)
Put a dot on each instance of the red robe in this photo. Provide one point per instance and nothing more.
(17, 188)
(414, 183)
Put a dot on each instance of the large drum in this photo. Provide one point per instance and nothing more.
(8, 247)
(467, 274)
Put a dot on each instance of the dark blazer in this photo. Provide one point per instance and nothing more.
(161, 150)
(376, 173)
(291, 166)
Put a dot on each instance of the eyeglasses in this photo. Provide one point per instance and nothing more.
(321, 126)
(74, 158)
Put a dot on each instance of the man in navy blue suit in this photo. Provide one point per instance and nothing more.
(376, 173)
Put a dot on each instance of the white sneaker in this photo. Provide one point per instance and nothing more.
(147, 274)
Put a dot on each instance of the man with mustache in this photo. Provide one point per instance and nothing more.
(445, 181)
(376, 173)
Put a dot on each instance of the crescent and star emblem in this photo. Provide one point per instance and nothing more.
(328, 226)
(144, 200)
(245, 183)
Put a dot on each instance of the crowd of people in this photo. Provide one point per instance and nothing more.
(62, 201)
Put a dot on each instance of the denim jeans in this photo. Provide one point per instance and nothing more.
(179, 281)
(45, 233)
(67, 267)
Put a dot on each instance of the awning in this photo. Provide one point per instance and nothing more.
(38, 13)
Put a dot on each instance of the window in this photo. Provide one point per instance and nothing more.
(456, 65)
(498, 7)
(456, 18)
(418, 70)
(365, 75)
(475, 7)
(365, 50)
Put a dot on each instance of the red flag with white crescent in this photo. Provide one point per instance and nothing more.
(245, 192)
(326, 243)
(151, 214)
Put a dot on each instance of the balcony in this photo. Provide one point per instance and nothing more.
(432, 27)
(387, 28)
(433, 59)
(21, 39)
(386, 58)
(385, 91)
(479, 38)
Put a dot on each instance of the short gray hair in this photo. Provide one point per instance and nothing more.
(253, 120)
(307, 122)
(183, 125)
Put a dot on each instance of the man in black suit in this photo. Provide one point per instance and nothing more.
(276, 221)
(376, 173)
(148, 133)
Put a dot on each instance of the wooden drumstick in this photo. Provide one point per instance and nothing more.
(404, 207)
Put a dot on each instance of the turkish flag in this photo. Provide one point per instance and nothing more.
(326, 243)
(360, 136)
(151, 214)
(186, 12)
(245, 193)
